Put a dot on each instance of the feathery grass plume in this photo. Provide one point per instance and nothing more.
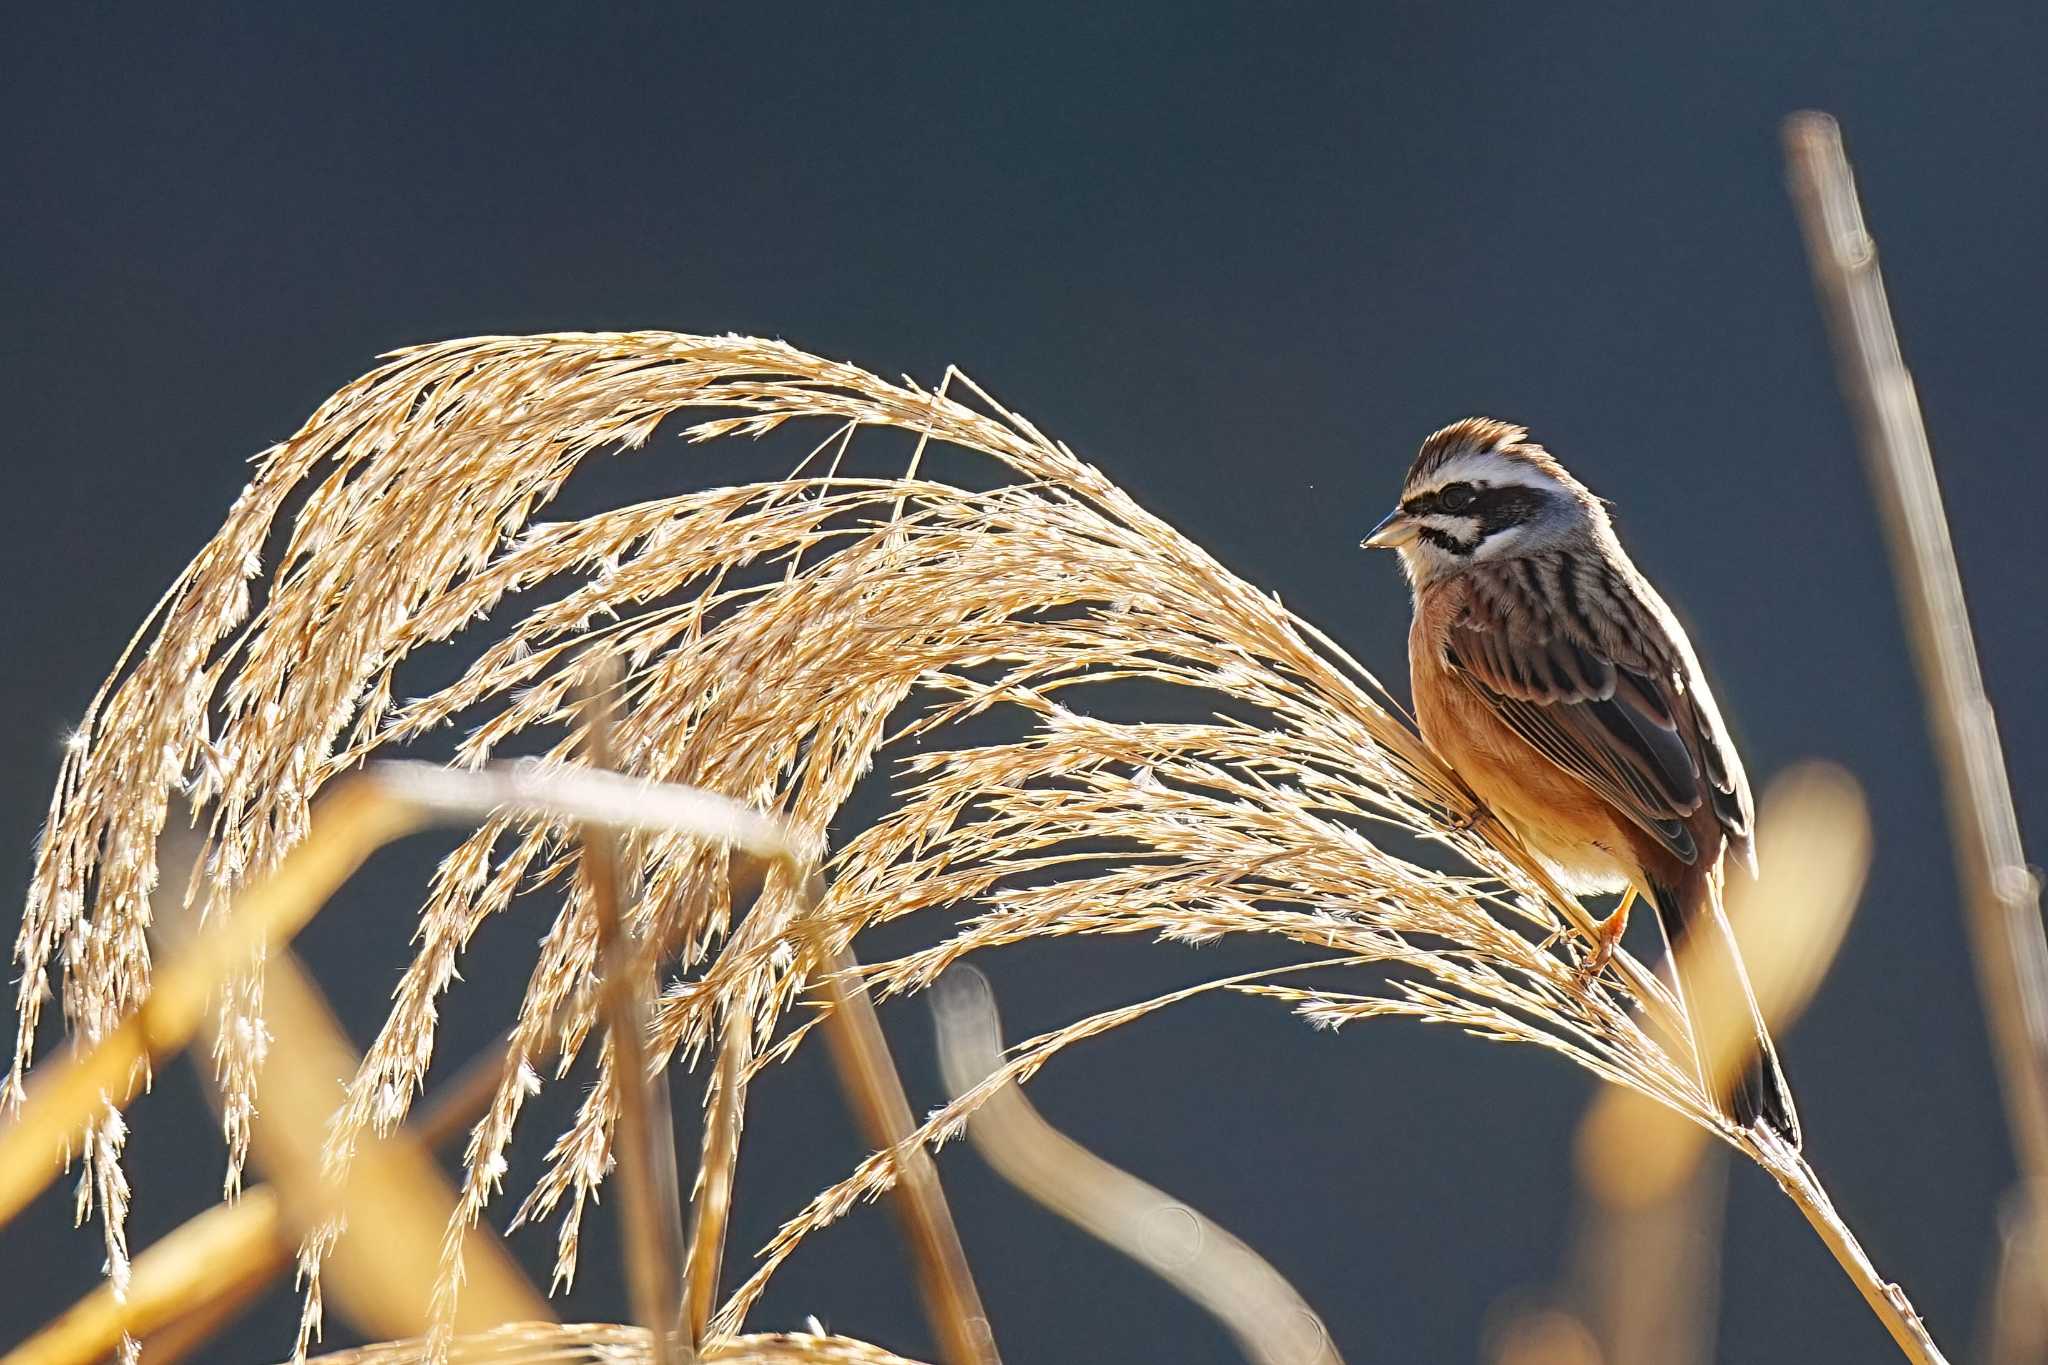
(778, 637)
(603, 1343)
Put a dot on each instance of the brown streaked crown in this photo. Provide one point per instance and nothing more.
(1476, 435)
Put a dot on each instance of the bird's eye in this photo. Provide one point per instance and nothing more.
(1455, 497)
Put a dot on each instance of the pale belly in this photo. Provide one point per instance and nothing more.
(1583, 865)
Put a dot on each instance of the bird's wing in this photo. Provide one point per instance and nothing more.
(1585, 664)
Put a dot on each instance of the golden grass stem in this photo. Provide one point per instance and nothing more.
(2000, 895)
(354, 819)
(650, 1204)
(1272, 1323)
(881, 1110)
(711, 1202)
(216, 1255)
(190, 1283)
(395, 1201)
(1886, 1299)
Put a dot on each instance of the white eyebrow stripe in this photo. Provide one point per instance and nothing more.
(1488, 467)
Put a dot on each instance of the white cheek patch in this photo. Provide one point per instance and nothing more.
(1464, 530)
(1500, 542)
(1425, 563)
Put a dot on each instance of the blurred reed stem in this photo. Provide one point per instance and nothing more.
(1272, 1323)
(650, 1202)
(2000, 895)
(874, 1091)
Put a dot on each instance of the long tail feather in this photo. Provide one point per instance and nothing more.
(1759, 1092)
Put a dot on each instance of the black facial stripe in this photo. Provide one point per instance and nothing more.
(1495, 509)
(1499, 508)
(1444, 540)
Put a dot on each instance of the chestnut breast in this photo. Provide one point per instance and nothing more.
(1589, 845)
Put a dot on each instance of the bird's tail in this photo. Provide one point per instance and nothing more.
(1696, 927)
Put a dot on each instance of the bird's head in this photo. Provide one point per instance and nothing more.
(1481, 490)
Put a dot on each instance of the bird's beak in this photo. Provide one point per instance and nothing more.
(1391, 534)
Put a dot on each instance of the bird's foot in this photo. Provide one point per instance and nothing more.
(1596, 962)
(1469, 821)
(1606, 938)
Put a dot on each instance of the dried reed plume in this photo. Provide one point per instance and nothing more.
(602, 1343)
(776, 638)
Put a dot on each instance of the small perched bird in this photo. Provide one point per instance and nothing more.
(1551, 676)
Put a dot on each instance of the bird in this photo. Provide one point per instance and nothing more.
(1558, 685)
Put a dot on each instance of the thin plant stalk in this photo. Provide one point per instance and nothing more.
(650, 1204)
(1272, 1323)
(711, 1203)
(356, 819)
(190, 1283)
(2000, 895)
(881, 1110)
(1885, 1298)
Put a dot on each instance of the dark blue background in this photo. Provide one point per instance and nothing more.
(1243, 259)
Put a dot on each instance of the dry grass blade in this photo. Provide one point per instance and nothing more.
(651, 1214)
(219, 1255)
(1271, 1322)
(874, 1091)
(2001, 898)
(87, 1090)
(608, 1344)
(395, 1201)
(777, 638)
(188, 1284)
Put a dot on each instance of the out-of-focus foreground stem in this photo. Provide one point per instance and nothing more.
(1272, 1323)
(874, 1092)
(353, 820)
(190, 1284)
(644, 1141)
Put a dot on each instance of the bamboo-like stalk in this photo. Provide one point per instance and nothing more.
(1272, 1323)
(191, 1282)
(881, 1110)
(1886, 1299)
(711, 1202)
(2000, 896)
(225, 1254)
(355, 820)
(650, 1204)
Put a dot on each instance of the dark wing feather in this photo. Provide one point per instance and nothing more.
(1580, 666)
